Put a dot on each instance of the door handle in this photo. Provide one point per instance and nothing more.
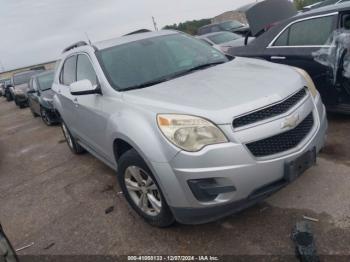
(278, 57)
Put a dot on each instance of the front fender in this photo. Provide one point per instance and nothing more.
(140, 130)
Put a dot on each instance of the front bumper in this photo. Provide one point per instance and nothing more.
(21, 99)
(231, 165)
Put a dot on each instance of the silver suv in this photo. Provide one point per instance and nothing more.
(194, 135)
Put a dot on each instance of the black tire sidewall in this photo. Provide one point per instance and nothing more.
(45, 121)
(77, 149)
(132, 158)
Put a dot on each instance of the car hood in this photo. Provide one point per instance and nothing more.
(47, 94)
(260, 17)
(222, 92)
(23, 87)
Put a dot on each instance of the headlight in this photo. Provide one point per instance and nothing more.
(310, 83)
(190, 133)
(49, 100)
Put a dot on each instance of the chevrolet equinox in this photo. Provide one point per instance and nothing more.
(194, 135)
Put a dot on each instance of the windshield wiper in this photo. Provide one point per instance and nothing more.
(147, 84)
(158, 81)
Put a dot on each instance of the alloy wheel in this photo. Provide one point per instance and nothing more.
(45, 116)
(143, 190)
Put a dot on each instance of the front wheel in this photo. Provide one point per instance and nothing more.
(142, 191)
(8, 97)
(71, 141)
(45, 117)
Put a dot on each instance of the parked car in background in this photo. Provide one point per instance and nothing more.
(323, 3)
(233, 26)
(20, 86)
(40, 97)
(2, 89)
(193, 135)
(223, 41)
(7, 93)
(294, 42)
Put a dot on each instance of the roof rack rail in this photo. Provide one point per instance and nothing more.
(139, 32)
(75, 45)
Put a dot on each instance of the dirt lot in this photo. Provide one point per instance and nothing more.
(57, 200)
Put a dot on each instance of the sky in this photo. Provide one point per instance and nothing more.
(36, 31)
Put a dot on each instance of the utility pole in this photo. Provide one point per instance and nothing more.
(154, 24)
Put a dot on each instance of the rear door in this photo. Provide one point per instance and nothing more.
(67, 76)
(297, 42)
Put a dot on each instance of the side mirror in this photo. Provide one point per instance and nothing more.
(84, 87)
(7, 253)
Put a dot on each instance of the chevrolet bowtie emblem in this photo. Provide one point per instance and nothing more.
(290, 122)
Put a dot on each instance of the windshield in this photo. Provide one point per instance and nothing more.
(223, 37)
(24, 78)
(45, 81)
(155, 59)
(231, 25)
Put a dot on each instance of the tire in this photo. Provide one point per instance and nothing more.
(154, 214)
(8, 97)
(33, 113)
(16, 102)
(71, 141)
(44, 116)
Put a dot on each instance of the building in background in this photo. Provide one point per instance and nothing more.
(46, 66)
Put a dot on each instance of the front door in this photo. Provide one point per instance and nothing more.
(68, 76)
(91, 121)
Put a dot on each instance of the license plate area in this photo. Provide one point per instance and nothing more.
(297, 167)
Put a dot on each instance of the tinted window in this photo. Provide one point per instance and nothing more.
(154, 59)
(215, 28)
(231, 25)
(204, 31)
(307, 33)
(69, 71)
(45, 81)
(85, 70)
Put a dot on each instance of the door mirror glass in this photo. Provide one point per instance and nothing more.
(84, 87)
(7, 253)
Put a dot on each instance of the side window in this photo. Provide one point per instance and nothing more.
(312, 32)
(85, 69)
(68, 73)
(215, 28)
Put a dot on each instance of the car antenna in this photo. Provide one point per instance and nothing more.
(87, 36)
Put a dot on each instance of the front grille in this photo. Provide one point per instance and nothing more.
(271, 111)
(282, 142)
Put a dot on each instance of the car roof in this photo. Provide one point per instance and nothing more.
(131, 38)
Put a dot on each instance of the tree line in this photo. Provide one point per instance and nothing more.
(191, 27)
